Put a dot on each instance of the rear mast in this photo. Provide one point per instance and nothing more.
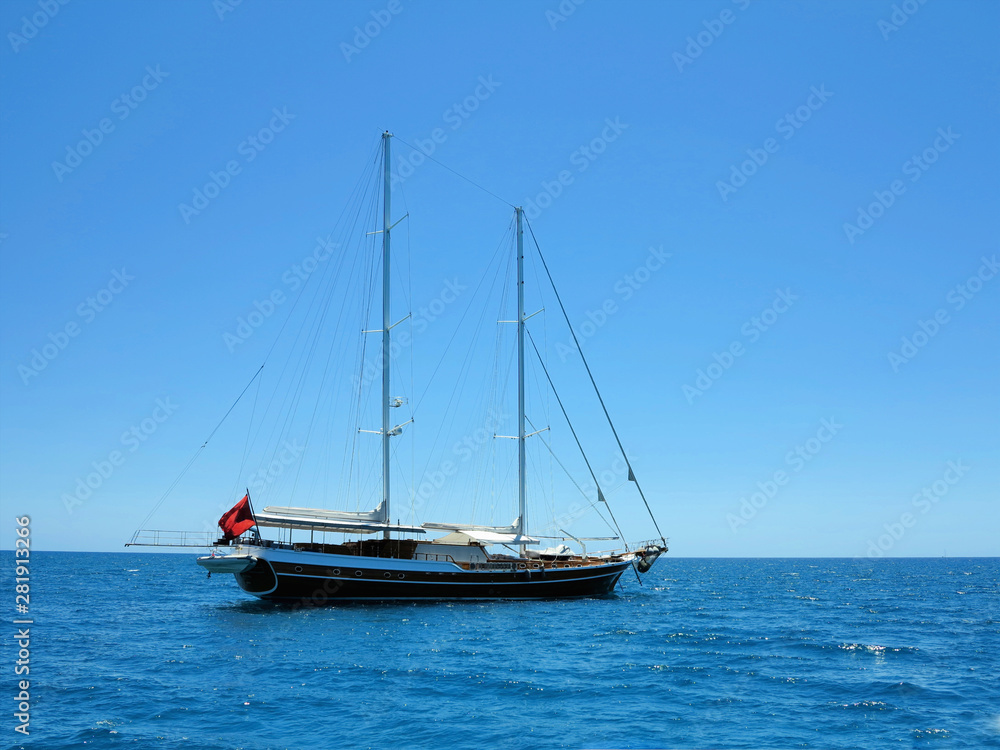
(521, 521)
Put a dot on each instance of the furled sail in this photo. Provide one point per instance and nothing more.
(512, 534)
(317, 519)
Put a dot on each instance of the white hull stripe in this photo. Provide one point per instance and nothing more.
(445, 582)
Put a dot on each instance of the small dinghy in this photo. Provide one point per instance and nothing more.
(227, 563)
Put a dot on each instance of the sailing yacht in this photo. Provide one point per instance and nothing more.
(384, 561)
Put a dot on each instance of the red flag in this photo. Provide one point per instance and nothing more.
(237, 519)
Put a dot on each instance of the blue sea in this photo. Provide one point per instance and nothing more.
(141, 651)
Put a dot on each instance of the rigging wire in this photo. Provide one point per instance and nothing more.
(246, 443)
(594, 383)
(329, 360)
(412, 392)
(459, 174)
(198, 452)
(304, 334)
(476, 320)
(600, 495)
(299, 371)
(465, 313)
(593, 503)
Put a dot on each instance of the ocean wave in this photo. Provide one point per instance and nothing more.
(873, 648)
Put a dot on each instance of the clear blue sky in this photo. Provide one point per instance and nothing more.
(747, 140)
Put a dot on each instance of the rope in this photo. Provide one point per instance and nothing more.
(596, 390)
(198, 452)
(458, 174)
(593, 503)
(600, 495)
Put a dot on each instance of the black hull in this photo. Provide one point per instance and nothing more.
(316, 585)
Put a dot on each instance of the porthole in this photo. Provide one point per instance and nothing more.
(357, 573)
(401, 576)
(298, 568)
(336, 571)
(388, 575)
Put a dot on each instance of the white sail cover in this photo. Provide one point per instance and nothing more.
(483, 537)
(372, 516)
(484, 534)
(318, 519)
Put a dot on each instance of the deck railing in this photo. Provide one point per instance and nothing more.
(158, 538)
(434, 557)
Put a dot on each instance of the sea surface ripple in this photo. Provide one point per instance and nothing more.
(141, 651)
